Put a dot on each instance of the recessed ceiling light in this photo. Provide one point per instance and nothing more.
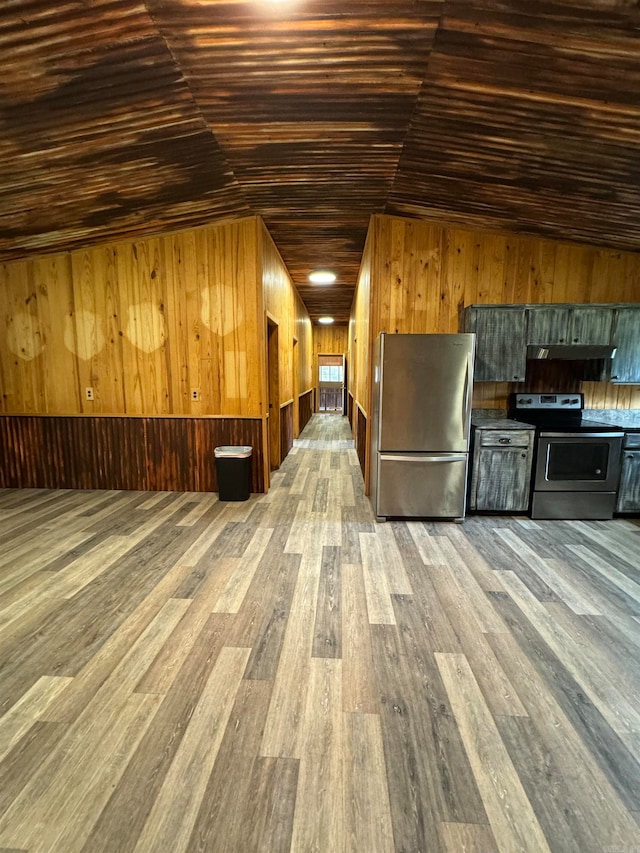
(326, 321)
(322, 277)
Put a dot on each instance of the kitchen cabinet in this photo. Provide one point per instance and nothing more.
(501, 469)
(629, 491)
(504, 331)
(569, 324)
(500, 354)
(626, 337)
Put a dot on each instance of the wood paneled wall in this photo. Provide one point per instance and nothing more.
(141, 323)
(421, 274)
(286, 428)
(147, 323)
(305, 408)
(329, 340)
(295, 339)
(362, 429)
(359, 334)
(157, 454)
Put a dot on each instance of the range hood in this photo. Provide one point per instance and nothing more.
(570, 352)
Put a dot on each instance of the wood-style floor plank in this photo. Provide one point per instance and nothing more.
(33, 704)
(286, 710)
(224, 818)
(123, 818)
(327, 640)
(611, 701)
(468, 838)
(176, 808)
(596, 771)
(359, 687)
(284, 673)
(318, 822)
(458, 606)
(511, 816)
(376, 581)
(367, 814)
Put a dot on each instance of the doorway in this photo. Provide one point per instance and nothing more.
(273, 383)
(331, 383)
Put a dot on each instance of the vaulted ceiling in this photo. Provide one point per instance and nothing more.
(123, 117)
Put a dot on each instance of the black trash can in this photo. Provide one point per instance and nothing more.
(233, 464)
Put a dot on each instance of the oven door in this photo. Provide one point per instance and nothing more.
(578, 462)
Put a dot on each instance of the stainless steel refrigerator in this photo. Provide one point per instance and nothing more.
(420, 427)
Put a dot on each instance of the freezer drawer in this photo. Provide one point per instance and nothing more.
(421, 485)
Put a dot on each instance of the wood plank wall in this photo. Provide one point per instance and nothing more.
(157, 454)
(361, 428)
(286, 429)
(359, 354)
(305, 408)
(328, 340)
(359, 334)
(421, 274)
(144, 324)
(286, 308)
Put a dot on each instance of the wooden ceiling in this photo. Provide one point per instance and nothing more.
(121, 117)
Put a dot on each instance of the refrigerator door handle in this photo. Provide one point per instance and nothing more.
(427, 457)
(467, 397)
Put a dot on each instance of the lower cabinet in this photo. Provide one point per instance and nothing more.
(501, 469)
(629, 491)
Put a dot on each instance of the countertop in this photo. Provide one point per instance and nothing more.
(496, 419)
(628, 419)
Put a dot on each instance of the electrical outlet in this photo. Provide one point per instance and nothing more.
(88, 393)
(195, 393)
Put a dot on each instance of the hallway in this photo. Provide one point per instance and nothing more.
(181, 674)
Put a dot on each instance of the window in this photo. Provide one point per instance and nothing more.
(330, 373)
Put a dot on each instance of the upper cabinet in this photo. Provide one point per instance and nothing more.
(626, 337)
(504, 331)
(569, 324)
(500, 356)
(590, 324)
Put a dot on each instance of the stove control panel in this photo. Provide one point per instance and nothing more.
(550, 402)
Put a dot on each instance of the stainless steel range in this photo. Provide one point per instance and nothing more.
(576, 468)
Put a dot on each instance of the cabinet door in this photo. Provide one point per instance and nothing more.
(502, 479)
(626, 337)
(548, 324)
(590, 325)
(569, 324)
(500, 350)
(629, 491)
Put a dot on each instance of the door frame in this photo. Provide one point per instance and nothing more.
(273, 393)
(334, 357)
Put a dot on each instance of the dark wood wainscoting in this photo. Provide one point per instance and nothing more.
(350, 409)
(305, 408)
(361, 438)
(286, 430)
(155, 454)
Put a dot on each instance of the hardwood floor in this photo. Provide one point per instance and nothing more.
(180, 674)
